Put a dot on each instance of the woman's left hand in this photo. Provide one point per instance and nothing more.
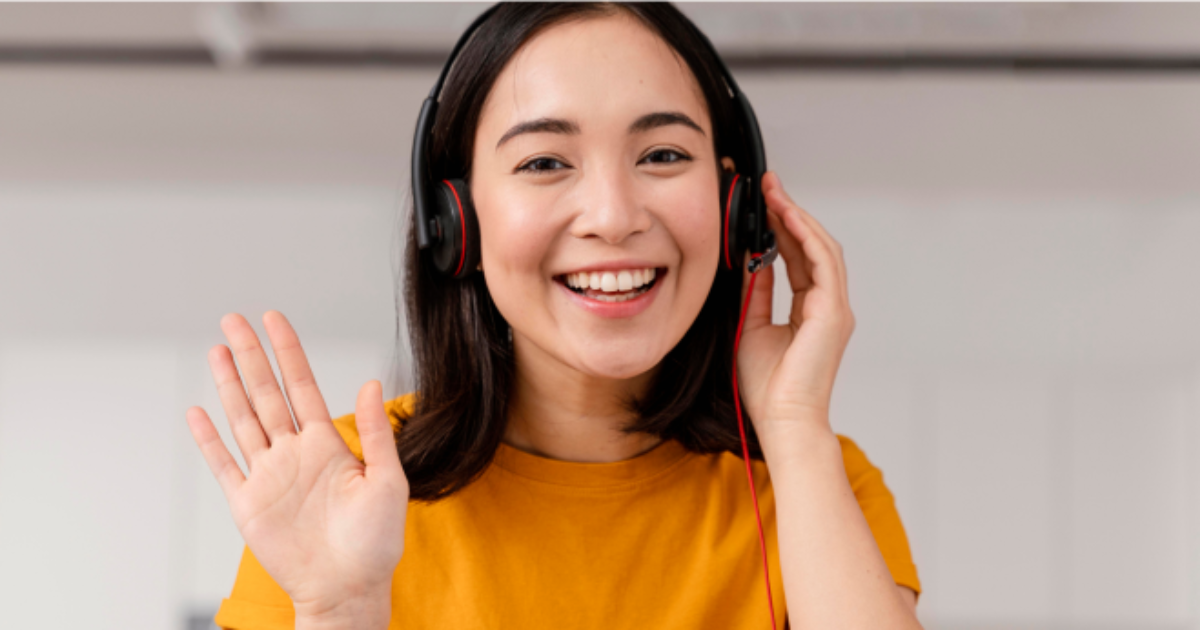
(786, 372)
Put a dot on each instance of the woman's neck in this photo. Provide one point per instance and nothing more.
(563, 414)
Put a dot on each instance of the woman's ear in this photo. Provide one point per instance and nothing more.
(727, 164)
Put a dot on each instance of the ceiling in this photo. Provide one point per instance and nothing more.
(232, 33)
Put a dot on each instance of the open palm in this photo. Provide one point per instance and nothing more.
(328, 528)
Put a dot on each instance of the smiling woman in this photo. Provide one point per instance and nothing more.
(559, 152)
(573, 451)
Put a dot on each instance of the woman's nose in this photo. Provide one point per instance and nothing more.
(611, 208)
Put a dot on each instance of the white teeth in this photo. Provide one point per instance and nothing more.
(624, 281)
(613, 298)
(608, 282)
(619, 282)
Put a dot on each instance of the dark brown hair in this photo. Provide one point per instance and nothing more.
(462, 355)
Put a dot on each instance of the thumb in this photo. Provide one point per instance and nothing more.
(374, 430)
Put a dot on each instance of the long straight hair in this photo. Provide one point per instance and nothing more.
(463, 362)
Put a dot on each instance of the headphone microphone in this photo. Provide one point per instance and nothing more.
(446, 222)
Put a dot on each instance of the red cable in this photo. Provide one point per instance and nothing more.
(737, 401)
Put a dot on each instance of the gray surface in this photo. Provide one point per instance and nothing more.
(1041, 26)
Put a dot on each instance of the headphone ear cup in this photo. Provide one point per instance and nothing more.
(733, 204)
(457, 251)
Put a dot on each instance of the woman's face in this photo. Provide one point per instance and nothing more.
(597, 194)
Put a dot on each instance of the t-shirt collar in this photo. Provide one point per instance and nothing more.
(587, 474)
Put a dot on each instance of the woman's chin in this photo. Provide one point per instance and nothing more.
(614, 364)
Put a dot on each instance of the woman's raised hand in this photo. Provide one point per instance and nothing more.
(328, 528)
(786, 372)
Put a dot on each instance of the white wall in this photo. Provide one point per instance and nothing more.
(1026, 367)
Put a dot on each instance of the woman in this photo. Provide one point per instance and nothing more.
(573, 458)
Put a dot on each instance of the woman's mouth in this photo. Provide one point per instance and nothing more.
(611, 286)
(619, 294)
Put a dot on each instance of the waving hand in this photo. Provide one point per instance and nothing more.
(328, 528)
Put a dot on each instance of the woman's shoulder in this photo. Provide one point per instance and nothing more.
(398, 410)
(862, 474)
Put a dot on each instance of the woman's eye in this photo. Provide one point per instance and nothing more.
(679, 157)
(528, 166)
(543, 164)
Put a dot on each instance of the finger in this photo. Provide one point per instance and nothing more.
(772, 187)
(307, 403)
(246, 430)
(824, 269)
(220, 462)
(799, 267)
(772, 183)
(758, 312)
(269, 403)
(375, 432)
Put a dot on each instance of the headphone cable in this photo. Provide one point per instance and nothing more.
(746, 451)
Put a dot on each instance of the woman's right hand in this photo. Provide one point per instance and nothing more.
(328, 528)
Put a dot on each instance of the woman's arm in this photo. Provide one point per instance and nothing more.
(910, 598)
(833, 573)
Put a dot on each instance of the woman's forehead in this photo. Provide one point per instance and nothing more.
(607, 70)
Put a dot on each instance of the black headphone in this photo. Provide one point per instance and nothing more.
(446, 224)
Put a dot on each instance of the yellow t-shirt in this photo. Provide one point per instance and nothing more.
(665, 540)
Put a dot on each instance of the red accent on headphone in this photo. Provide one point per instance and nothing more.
(462, 222)
(729, 200)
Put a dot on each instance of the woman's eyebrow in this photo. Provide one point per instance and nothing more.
(570, 127)
(662, 119)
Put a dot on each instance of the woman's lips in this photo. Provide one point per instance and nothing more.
(628, 308)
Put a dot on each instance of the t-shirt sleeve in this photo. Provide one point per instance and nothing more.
(879, 508)
(257, 601)
(397, 411)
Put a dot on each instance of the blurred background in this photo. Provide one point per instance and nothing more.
(1017, 188)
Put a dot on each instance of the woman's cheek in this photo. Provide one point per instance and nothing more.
(514, 248)
(698, 232)
(700, 247)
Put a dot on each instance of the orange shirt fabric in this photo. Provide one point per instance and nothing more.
(665, 540)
